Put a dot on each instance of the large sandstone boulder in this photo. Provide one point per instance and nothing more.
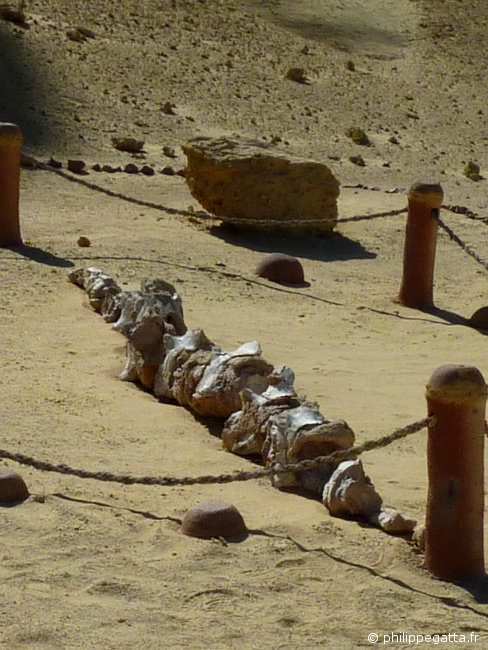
(261, 186)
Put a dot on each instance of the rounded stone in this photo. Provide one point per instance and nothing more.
(479, 319)
(279, 267)
(12, 486)
(213, 519)
(83, 242)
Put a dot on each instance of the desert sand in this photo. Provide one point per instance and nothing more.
(86, 564)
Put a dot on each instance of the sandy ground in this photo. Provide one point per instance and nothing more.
(93, 565)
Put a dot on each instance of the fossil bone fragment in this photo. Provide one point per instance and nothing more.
(245, 430)
(350, 492)
(97, 284)
(145, 317)
(393, 521)
(304, 433)
(209, 380)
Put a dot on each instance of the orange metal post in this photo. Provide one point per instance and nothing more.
(10, 145)
(456, 396)
(420, 243)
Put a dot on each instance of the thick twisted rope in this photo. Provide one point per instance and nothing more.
(168, 481)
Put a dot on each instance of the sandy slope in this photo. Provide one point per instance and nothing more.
(94, 565)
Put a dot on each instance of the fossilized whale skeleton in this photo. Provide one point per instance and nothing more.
(263, 414)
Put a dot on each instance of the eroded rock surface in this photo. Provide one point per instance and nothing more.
(255, 182)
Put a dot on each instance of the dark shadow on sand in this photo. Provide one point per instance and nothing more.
(331, 247)
(39, 255)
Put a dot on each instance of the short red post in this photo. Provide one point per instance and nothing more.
(10, 146)
(416, 289)
(456, 397)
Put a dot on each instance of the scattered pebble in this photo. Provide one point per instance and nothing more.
(76, 166)
(357, 160)
(350, 65)
(297, 74)
(76, 36)
(169, 152)
(147, 170)
(132, 145)
(111, 170)
(169, 171)
(358, 136)
(168, 108)
(83, 242)
(472, 171)
(130, 168)
(12, 14)
(97, 167)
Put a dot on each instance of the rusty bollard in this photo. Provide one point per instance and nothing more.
(456, 396)
(10, 145)
(417, 287)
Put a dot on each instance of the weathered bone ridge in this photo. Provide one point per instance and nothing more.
(99, 286)
(202, 376)
(245, 430)
(145, 317)
(304, 433)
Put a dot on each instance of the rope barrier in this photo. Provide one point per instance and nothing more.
(467, 249)
(204, 215)
(168, 481)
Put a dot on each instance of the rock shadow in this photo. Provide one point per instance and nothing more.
(332, 247)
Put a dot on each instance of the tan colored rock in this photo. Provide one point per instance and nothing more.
(257, 183)
(393, 521)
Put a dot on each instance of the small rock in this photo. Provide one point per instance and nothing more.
(393, 140)
(213, 519)
(131, 169)
(12, 14)
(472, 171)
(297, 75)
(12, 486)
(350, 65)
(147, 170)
(357, 160)
(76, 36)
(169, 171)
(83, 242)
(392, 521)
(56, 164)
(358, 136)
(168, 108)
(169, 152)
(88, 33)
(128, 144)
(111, 170)
(279, 267)
(97, 167)
(76, 166)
